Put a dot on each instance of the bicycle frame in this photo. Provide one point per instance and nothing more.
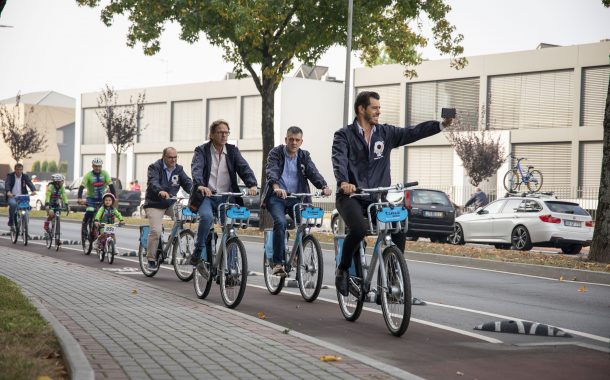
(524, 177)
(228, 229)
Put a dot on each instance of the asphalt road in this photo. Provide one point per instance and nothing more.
(440, 341)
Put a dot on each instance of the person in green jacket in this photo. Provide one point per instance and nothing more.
(55, 198)
(107, 214)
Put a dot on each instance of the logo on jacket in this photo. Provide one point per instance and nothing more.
(378, 149)
(175, 179)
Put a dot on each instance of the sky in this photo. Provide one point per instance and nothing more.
(57, 45)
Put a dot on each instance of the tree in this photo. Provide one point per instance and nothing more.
(44, 168)
(36, 166)
(481, 153)
(63, 167)
(264, 37)
(52, 167)
(121, 123)
(22, 138)
(600, 248)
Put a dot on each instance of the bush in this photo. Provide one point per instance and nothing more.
(63, 167)
(36, 167)
(52, 167)
(44, 168)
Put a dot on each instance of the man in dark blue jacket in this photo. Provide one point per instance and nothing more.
(361, 159)
(214, 168)
(288, 169)
(17, 183)
(165, 178)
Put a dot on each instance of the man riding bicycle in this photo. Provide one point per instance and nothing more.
(55, 193)
(17, 183)
(361, 159)
(97, 181)
(288, 169)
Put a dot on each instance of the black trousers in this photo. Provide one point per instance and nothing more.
(353, 212)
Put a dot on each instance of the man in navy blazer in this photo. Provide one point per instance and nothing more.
(17, 183)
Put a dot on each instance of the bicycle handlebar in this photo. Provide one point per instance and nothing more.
(317, 194)
(396, 188)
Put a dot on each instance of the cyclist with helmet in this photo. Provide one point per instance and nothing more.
(97, 182)
(55, 193)
(106, 214)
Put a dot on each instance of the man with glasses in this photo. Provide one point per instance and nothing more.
(165, 178)
(215, 167)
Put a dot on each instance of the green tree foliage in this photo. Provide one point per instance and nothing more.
(36, 166)
(52, 167)
(63, 167)
(22, 138)
(44, 168)
(263, 38)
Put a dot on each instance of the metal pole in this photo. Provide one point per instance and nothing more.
(348, 54)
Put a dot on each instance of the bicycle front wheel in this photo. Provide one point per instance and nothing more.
(57, 233)
(310, 269)
(101, 253)
(15, 229)
(511, 180)
(273, 282)
(534, 182)
(24, 230)
(183, 248)
(396, 298)
(351, 305)
(87, 239)
(111, 251)
(48, 235)
(202, 280)
(233, 272)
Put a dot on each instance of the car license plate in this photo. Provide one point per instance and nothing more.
(571, 223)
(434, 214)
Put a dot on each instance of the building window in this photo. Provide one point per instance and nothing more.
(93, 130)
(425, 100)
(594, 92)
(251, 117)
(533, 100)
(226, 109)
(187, 121)
(153, 125)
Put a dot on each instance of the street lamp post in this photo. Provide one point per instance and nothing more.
(348, 54)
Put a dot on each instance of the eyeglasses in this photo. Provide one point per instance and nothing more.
(223, 133)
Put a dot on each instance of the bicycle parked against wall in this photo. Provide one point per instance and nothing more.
(229, 264)
(176, 250)
(306, 254)
(106, 246)
(515, 177)
(53, 234)
(387, 261)
(21, 219)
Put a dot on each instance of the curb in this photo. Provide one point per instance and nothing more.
(78, 364)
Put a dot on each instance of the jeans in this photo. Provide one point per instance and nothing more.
(352, 211)
(277, 208)
(207, 209)
(12, 206)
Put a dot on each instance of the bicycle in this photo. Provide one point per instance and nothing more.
(106, 246)
(515, 177)
(53, 234)
(177, 249)
(229, 265)
(90, 234)
(393, 281)
(21, 219)
(306, 253)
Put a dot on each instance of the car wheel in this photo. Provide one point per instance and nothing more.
(521, 240)
(457, 237)
(572, 249)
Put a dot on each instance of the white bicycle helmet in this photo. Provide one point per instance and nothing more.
(97, 161)
(57, 177)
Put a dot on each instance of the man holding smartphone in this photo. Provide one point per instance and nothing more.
(361, 159)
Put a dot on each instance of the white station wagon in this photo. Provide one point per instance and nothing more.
(522, 222)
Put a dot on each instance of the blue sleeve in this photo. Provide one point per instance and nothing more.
(407, 135)
(154, 182)
(272, 169)
(340, 158)
(197, 167)
(243, 169)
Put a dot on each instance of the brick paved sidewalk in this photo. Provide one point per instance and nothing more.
(128, 329)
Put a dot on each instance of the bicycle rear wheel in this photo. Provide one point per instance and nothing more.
(511, 180)
(184, 246)
(351, 305)
(534, 182)
(310, 269)
(233, 272)
(111, 251)
(143, 261)
(396, 298)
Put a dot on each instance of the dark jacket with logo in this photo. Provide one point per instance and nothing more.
(26, 182)
(157, 181)
(355, 163)
(305, 168)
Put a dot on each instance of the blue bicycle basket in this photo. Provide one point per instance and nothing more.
(312, 213)
(238, 213)
(388, 214)
(23, 201)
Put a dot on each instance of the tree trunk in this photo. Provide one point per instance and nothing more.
(600, 248)
(268, 113)
(118, 165)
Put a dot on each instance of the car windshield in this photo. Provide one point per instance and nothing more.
(566, 208)
(427, 197)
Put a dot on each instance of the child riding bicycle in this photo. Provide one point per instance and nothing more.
(55, 193)
(106, 214)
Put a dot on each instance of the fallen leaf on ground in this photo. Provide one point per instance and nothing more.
(582, 289)
(261, 315)
(560, 278)
(330, 358)
(133, 291)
